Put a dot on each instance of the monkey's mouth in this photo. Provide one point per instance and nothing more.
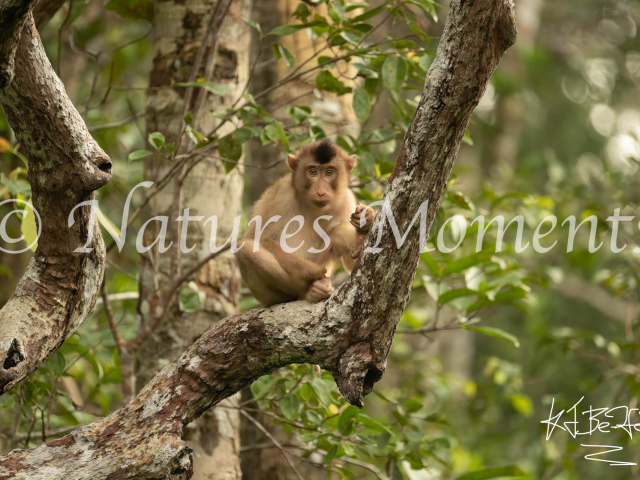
(320, 203)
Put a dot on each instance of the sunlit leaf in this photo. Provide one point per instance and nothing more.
(496, 332)
(508, 471)
(394, 70)
(361, 104)
(138, 154)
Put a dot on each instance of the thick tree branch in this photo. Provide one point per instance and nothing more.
(13, 16)
(59, 289)
(45, 10)
(350, 334)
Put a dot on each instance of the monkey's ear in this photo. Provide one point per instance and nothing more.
(351, 162)
(292, 161)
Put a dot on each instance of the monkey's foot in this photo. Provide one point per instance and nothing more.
(320, 289)
(358, 250)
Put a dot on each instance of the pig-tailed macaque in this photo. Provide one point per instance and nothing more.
(302, 226)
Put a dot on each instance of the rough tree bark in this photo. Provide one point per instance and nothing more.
(350, 334)
(59, 288)
(207, 190)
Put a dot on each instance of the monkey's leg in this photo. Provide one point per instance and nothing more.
(266, 279)
(295, 266)
(269, 282)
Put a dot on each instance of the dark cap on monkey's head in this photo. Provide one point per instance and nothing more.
(324, 151)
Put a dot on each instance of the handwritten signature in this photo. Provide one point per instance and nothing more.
(600, 420)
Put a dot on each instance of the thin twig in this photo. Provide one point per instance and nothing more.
(110, 318)
(107, 126)
(64, 24)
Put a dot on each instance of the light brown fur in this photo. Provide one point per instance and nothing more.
(275, 276)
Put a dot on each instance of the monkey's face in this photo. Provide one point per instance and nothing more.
(321, 173)
(321, 182)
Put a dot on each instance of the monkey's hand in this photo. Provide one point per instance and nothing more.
(368, 215)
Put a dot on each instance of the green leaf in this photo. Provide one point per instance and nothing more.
(413, 405)
(59, 362)
(322, 391)
(313, 417)
(457, 293)
(138, 154)
(7, 401)
(219, 89)
(286, 55)
(467, 137)
(156, 139)
(331, 454)
(109, 226)
(229, 147)
(394, 70)
(252, 24)
(351, 37)
(361, 104)
(262, 386)
(510, 295)
(522, 403)
(289, 406)
(496, 332)
(508, 471)
(326, 81)
(372, 424)
(464, 263)
(368, 14)
(302, 11)
(191, 298)
(195, 136)
(347, 419)
(289, 29)
(28, 228)
(18, 186)
(243, 135)
(428, 6)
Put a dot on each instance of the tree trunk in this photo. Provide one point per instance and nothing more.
(207, 190)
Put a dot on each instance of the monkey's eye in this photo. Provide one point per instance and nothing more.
(329, 172)
(313, 172)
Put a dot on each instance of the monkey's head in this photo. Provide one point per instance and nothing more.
(320, 172)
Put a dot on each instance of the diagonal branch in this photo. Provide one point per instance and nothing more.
(350, 334)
